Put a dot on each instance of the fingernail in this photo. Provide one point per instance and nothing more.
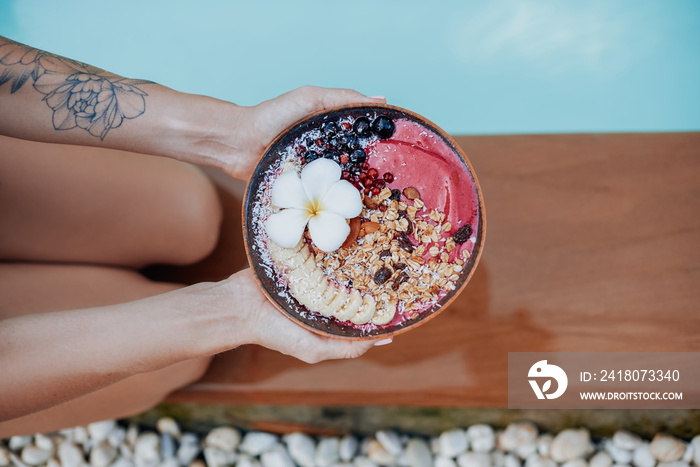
(377, 97)
(383, 341)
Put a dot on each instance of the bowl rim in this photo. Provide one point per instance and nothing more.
(477, 250)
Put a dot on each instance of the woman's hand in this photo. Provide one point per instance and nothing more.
(257, 126)
(262, 324)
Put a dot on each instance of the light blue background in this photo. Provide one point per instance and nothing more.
(473, 67)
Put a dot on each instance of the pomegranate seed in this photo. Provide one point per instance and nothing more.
(368, 191)
(364, 166)
(379, 183)
(346, 125)
(376, 191)
(373, 173)
(367, 182)
(345, 175)
(362, 175)
(303, 160)
(344, 159)
(319, 142)
(388, 177)
(359, 186)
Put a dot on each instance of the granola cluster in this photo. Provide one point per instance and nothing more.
(402, 253)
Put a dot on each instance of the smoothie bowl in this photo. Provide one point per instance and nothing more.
(363, 221)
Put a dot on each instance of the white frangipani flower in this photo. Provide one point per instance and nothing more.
(319, 198)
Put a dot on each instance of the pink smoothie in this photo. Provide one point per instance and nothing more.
(421, 159)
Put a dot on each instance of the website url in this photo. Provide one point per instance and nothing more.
(631, 396)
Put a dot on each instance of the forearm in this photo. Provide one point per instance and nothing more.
(48, 98)
(84, 350)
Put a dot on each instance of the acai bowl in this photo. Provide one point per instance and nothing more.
(363, 221)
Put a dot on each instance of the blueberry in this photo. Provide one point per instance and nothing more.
(311, 156)
(395, 195)
(362, 128)
(330, 128)
(358, 156)
(383, 127)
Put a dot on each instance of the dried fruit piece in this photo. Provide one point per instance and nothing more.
(463, 234)
(355, 224)
(395, 195)
(382, 275)
(411, 193)
(405, 243)
(370, 203)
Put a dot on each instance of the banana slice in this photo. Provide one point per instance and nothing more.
(281, 254)
(350, 308)
(336, 303)
(311, 291)
(366, 311)
(384, 314)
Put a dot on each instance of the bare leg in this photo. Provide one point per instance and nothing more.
(62, 203)
(39, 288)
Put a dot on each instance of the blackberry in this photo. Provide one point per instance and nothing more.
(382, 275)
(463, 234)
(395, 195)
(362, 128)
(332, 155)
(383, 127)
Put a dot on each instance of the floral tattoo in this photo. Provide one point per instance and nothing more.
(80, 95)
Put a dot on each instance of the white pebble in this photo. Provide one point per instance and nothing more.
(225, 438)
(442, 461)
(348, 448)
(453, 442)
(474, 459)
(481, 438)
(198, 463)
(188, 449)
(169, 462)
(168, 425)
(167, 446)
(116, 436)
(619, 455)
(147, 449)
(390, 440)
(626, 440)
(641, 457)
(695, 442)
(122, 462)
(216, 457)
(569, 444)
(52, 462)
(44, 442)
(536, 460)
(362, 461)
(257, 442)
(4, 457)
(378, 454)
(601, 459)
(102, 455)
(418, 453)
(132, 435)
(70, 455)
(302, 448)
(517, 434)
(32, 455)
(498, 458)
(672, 464)
(327, 452)
(544, 442)
(18, 442)
(511, 461)
(525, 450)
(246, 460)
(666, 448)
(276, 457)
(80, 435)
(402, 459)
(689, 453)
(98, 431)
(575, 463)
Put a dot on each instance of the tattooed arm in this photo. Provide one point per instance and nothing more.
(45, 97)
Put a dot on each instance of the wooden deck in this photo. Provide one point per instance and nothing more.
(593, 244)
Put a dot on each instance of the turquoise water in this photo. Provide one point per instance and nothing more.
(473, 67)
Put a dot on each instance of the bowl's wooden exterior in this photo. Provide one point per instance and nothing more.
(293, 310)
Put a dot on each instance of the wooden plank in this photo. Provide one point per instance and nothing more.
(593, 244)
